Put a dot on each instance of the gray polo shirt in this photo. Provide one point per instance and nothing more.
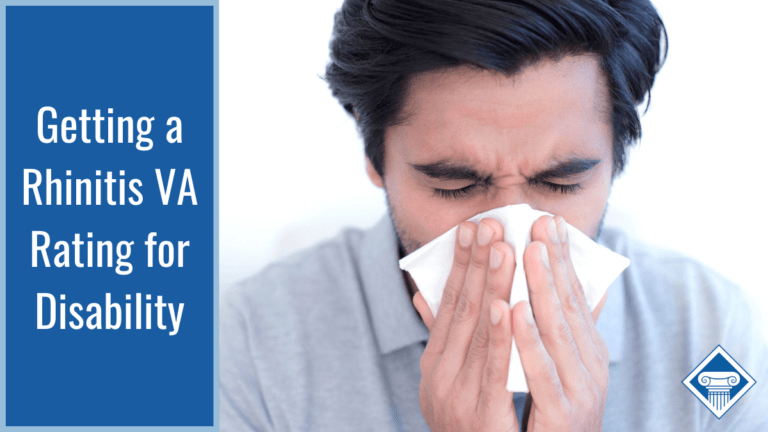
(328, 340)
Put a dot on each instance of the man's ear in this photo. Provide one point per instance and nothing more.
(372, 174)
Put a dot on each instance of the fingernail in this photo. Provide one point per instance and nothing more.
(552, 231)
(495, 314)
(496, 258)
(562, 232)
(465, 236)
(484, 234)
(528, 314)
(543, 256)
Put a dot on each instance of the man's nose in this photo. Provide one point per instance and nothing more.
(505, 195)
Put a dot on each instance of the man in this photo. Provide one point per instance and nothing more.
(466, 106)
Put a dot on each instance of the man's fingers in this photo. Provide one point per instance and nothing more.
(572, 300)
(541, 374)
(423, 309)
(552, 325)
(570, 293)
(467, 312)
(494, 396)
(562, 232)
(465, 238)
(599, 308)
(590, 318)
(501, 268)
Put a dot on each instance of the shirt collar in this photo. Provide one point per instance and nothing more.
(396, 323)
(610, 324)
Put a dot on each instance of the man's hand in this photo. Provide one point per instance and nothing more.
(464, 367)
(564, 357)
(465, 364)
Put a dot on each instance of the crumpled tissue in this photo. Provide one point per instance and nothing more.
(596, 267)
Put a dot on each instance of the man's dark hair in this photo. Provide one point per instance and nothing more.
(378, 46)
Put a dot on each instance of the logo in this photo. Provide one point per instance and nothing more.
(719, 382)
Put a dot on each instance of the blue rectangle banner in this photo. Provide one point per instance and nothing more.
(110, 199)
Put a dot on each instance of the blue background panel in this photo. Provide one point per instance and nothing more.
(140, 61)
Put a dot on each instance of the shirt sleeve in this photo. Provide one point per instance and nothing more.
(242, 407)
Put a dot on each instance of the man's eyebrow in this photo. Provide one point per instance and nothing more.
(453, 171)
(448, 171)
(565, 169)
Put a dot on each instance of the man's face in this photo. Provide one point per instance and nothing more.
(477, 140)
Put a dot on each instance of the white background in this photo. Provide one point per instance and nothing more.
(292, 164)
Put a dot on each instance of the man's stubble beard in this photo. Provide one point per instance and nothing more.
(406, 244)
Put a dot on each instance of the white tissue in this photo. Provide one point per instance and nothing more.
(596, 267)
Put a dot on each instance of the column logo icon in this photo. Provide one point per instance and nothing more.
(719, 382)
